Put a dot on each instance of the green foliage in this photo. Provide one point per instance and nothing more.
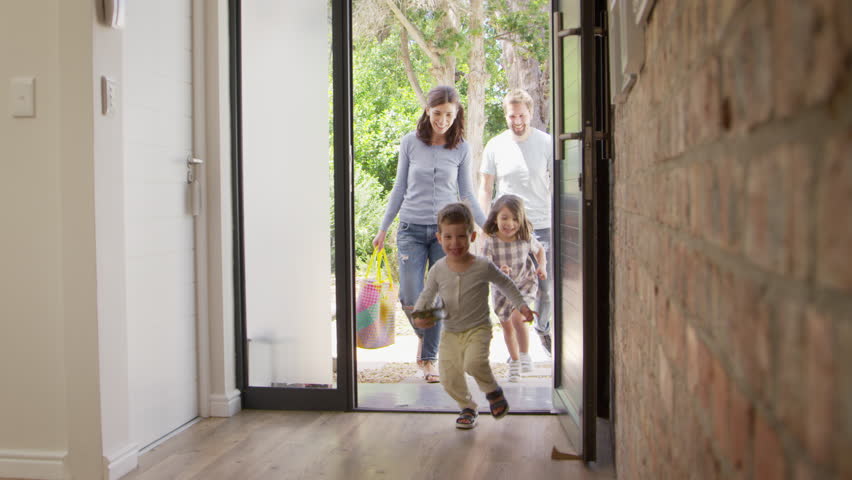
(523, 25)
(369, 209)
(384, 109)
(385, 106)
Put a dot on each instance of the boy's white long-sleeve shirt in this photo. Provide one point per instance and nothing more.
(465, 294)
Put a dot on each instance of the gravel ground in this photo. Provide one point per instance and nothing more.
(396, 372)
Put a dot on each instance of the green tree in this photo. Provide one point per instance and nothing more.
(403, 47)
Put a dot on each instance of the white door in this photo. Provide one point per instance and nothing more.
(160, 232)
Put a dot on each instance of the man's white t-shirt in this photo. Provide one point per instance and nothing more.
(522, 169)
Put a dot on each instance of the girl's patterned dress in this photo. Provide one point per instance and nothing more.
(516, 255)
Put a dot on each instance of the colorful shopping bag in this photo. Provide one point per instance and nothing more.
(374, 304)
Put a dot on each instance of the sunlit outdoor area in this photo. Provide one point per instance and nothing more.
(401, 50)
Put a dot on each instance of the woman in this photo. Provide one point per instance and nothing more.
(433, 171)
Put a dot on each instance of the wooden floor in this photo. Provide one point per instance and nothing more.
(256, 445)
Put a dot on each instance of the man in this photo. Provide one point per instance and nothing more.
(520, 161)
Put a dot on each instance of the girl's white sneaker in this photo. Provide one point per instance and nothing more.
(526, 363)
(514, 371)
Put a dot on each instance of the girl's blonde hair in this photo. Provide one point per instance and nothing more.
(515, 205)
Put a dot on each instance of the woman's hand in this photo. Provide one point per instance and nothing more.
(379, 241)
(541, 272)
(506, 269)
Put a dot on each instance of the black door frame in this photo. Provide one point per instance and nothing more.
(595, 221)
(595, 217)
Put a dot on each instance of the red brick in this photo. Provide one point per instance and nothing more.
(673, 334)
(709, 465)
(726, 10)
(705, 375)
(747, 67)
(703, 121)
(740, 431)
(687, 432)
(788, 371)
(833, 196)
(749, 332)
(664, 376)
(804, 471)
(843, 383)
(769, 460)
(720, 408)
(808, 64)
(716, 195)
(731, 174)
(681, 199)
(692, 343)
(842, 14)
(777, 230)
(698, 178)
(820, 371)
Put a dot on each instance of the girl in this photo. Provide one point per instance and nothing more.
(433, 171)
(508, 243)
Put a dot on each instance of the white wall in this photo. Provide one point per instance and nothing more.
(32, 406)
(78, 239)
(63, 365)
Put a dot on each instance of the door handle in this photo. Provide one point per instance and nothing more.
(191, 163)
(194, 200)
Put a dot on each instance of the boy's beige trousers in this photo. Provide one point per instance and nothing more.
(466, 352)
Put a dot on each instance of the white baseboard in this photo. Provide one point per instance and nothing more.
(35, 464)
(225, 405)
(121, 462)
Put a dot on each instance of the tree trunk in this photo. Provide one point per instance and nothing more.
(445, 70)
(525, 72)
(476, 80)
(405, 55)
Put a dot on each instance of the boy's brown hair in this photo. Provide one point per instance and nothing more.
(456, 214)
(515, 205)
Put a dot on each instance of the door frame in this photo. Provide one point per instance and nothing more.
(199, 150)
(596, 228)
(595, 235)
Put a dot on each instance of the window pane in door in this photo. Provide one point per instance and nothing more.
(286, 184)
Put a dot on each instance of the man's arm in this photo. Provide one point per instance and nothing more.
(486, 191)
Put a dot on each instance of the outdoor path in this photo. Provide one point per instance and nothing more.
(405, 349)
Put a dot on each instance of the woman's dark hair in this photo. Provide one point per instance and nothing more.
(438, 96)
(515, 205)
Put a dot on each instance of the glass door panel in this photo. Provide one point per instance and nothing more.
(286, 172)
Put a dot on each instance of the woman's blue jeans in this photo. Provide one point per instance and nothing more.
(417, 247)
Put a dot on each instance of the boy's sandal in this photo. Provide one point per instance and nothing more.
(498, 404)
(432, 378)
(467, 419)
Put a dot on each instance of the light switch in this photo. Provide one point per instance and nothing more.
(23, 96)
(108, 95)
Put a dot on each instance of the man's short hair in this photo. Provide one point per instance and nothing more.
(456, 214)
(518, 95)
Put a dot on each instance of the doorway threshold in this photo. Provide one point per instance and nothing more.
(530, 395)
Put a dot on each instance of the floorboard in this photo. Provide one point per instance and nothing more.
(266, 445)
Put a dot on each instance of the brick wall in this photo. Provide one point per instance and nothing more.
(732, 244)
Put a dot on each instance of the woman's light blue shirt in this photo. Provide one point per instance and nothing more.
(428, 177)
